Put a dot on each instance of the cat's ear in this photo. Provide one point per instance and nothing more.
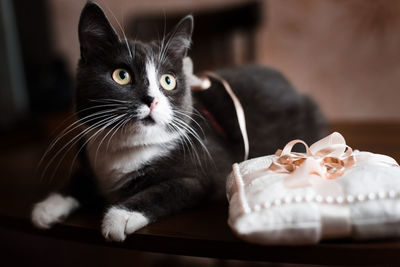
(96, 35)
(180, 37)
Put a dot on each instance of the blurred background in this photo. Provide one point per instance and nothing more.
(344, 53)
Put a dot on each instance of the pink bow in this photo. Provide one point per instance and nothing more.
(323, 162)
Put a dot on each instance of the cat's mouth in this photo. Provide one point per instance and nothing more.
(148, 120)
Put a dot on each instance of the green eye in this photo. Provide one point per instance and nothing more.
(168, 82)
(121, 76)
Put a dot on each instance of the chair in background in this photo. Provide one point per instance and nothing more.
(222, 37)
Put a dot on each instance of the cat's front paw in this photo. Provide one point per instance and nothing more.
(118, 223)
(54, 209)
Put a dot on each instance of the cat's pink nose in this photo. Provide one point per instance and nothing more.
(153, 104)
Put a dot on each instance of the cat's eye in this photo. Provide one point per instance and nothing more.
(168, 82)
(121, 76)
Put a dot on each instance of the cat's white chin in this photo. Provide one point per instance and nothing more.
(142, 134)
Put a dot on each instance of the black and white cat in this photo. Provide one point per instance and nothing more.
(151, 146)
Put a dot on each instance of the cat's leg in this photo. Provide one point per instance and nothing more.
(60, 204)
(147, 206)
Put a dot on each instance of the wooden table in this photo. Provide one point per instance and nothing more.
(202, 232)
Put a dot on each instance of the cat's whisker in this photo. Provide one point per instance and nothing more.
(88, 139)
(61, 124)
(162, 41)
(194, 134)
(160, 57)
(191, 131)
(74, 126)
(94, 136)
(102, 127)
(186, 126)
(74, 114)
(196, 156)
(189, 144)
(198, 113)
(110, 100)
(192, 152)
(191, 119)
(95, 115)
(181, 139)
(123, 129)
(72, 141)
(105, 136)
(166, 47)
(123, 32)
(186, 136)
(194, 112)
(125, 121)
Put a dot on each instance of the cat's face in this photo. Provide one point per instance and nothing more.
(131, 85)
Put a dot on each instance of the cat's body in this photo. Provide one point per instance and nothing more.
(150, 150)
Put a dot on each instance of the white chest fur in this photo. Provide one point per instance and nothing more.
(110, 165)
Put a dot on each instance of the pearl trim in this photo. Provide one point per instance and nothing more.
(340, 200)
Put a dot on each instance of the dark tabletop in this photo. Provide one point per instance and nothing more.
(199, 232)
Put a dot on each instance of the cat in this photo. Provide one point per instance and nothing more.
(151, 147)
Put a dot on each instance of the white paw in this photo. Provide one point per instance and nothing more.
(117, 223)
(54, 209)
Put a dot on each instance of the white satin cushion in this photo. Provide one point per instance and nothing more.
(262, 210)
